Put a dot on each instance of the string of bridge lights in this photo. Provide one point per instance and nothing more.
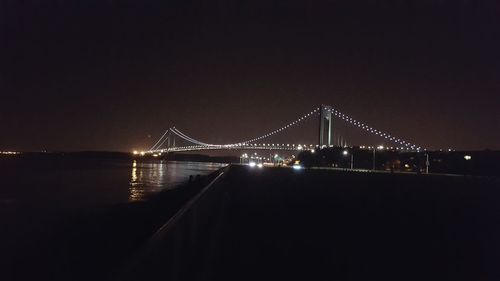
(372, 130)
(291, 124)
(290, 147)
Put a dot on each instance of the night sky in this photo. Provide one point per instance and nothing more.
(113, 75)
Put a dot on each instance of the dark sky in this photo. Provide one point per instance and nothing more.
(113, 75)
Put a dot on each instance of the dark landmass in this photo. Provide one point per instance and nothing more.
(481, 163)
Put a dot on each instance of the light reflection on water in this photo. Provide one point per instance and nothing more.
(148, 178)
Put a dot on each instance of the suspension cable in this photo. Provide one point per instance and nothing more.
(373, 130)
(154, 146)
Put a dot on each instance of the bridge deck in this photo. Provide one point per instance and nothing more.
(255, 224)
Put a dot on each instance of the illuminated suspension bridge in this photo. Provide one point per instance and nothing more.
(166, 143)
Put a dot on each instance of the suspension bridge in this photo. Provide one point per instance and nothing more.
(326, 114)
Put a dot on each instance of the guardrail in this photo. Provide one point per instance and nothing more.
(184, 248)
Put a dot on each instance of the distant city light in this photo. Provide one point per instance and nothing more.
(297, 167)
(345, 152)
(252, 164)
(10, 152)
(260, 165)
(467, 157)
(136, 152)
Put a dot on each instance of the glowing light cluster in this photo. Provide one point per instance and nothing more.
(10, 152)
(372, 130)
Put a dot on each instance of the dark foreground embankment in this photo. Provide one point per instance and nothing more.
(282, 224)
(89, 245)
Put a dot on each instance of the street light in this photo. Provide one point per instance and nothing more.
(244, 158)
(427, 163)
(345, 153)
(380, 147)
(374, 158)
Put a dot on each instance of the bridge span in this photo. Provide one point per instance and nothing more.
(325, 114)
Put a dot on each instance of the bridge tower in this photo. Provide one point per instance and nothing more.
(325, 126)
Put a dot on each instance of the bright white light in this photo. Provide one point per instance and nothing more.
(143, 153)
(260, 165)
(275, 155)
(136, 152)
(380, 147)
(297, 167)
(252, 164)
(345, 152)
(312, 151)
(467, 157)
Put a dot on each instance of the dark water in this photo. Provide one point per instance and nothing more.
(35, 193)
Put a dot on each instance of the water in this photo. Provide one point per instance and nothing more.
(38, 192)
(152, 177)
